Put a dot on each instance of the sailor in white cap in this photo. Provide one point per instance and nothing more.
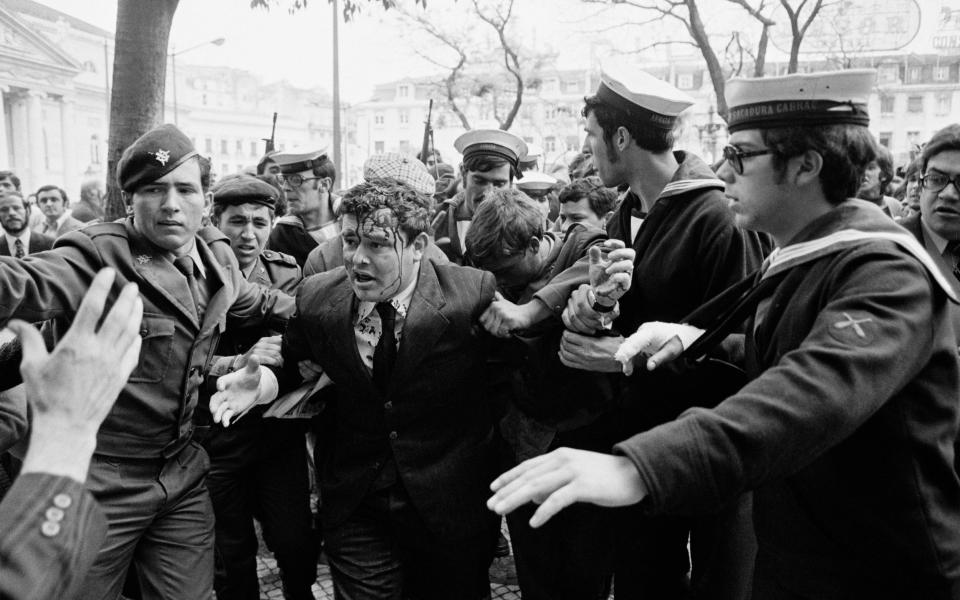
(307, 179)
(688, 249)
(491, 160)
(845, 431)
(540, 187)
(531, 160)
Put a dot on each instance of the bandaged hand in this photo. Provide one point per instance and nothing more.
(662, 342)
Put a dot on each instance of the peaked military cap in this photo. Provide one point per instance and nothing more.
(153, 155)
(394, 165)
(825, 98)
(491, 142)
(295, 162)
(242, 189)
(642, 96)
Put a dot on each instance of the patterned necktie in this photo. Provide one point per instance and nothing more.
(952, 254)
(385, 354)
(185, 265)
(18, 250)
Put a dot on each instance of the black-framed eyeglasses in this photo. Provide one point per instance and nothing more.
(937, 182)
(735, 156)
(295, 180)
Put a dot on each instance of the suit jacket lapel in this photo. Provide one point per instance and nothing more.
(159, 273)
(423, 326)
(337, 320)
(4, 248)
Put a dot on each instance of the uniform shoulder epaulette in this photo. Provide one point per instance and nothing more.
(210, 234)
(278, 257)
(98, 229)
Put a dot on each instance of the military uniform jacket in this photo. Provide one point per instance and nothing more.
(153, 415)
(51, 530)
(845, 432)
(435, 421)
(445, 230)
(688, 250)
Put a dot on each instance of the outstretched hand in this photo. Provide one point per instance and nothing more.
(661, 342)
(558, 479)
(236, 393)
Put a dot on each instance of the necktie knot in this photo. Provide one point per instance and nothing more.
(18, 250)
(185, 265)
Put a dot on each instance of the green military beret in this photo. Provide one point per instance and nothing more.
(241, 189)
(153, 155)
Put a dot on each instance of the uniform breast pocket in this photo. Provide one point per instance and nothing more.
(157, 344)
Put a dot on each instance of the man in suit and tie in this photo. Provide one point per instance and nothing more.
(51, 528)
(148, 472)
(53, 203)
(18, 240)
(403, 483)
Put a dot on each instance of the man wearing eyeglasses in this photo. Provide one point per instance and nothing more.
(845, 431)
(311, 219)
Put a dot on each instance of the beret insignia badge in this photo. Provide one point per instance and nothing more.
(162, 156)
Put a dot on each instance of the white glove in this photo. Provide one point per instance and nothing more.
(650, 337)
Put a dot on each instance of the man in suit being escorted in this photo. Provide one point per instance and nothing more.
(403, 484)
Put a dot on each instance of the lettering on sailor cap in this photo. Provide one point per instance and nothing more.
(824, 98)
(641, 95)
(296, 162)
(153, 155)
(402, 167)
(243, 189)
(492, 142)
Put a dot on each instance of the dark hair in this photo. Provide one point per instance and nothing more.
(943, 140)
(885, 162)
(204, 173)
(326, 169)
(503, 226)
(846, 152)
(266, 158)
(411, 208)
(601, 199)
(487, 162)
(47, 188)
(12, 176)
(581, 166)
(610, 118)
(430, 152)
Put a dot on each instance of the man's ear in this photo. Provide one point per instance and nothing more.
(208, 198)
(419, 245)
(807, 168)
(533, 245)
(127, 198)
(326, 183)
(621, 138)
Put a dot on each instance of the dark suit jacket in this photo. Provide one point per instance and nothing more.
(435, 421)
(69, 224)
(915, 226)
(153, 416)
(38, 243)
(42, 558)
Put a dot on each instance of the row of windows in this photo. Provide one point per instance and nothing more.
(910, 74)
(253, 146)
(943, 104)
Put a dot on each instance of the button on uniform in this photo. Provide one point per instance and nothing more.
(62, 501)
(54, 514)
(393, 435)
(50, 528)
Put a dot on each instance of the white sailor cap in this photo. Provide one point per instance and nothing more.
(297, 161)
(534, 153)
(402, 167)
(825, 98)
(493, 142)
(642, 95)
(535, 180)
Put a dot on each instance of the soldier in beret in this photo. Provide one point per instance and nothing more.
(257, 466)
(147, 473)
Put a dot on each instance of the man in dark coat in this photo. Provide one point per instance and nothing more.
(403, 483)
(148, 472)
(846, 430)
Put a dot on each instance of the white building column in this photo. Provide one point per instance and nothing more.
(71, 172)
(37, 170)
(5, 161)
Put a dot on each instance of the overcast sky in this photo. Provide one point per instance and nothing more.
(278, 45)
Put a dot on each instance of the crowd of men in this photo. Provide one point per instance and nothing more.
(674, 379)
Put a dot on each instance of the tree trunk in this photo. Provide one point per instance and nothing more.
(699, 34)
(139, 78)
(761, 64)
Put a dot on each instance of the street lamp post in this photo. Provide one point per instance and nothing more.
(173, 59)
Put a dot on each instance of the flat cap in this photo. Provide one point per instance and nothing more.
(402, 167)
(535, 180)
(153, 155)
(243, 189)
(295, 162)
(643, 96)
(493, 142)
(825, 98)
